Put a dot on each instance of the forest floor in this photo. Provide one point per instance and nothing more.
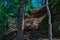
(48, 39)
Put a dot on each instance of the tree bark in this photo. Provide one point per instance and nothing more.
(20, 35)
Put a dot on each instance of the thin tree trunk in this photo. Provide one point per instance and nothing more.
(20, 35)
(49, 20)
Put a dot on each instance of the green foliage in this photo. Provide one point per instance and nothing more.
(55, 10)
(58, 27)
(5, 14)
(28, 6)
